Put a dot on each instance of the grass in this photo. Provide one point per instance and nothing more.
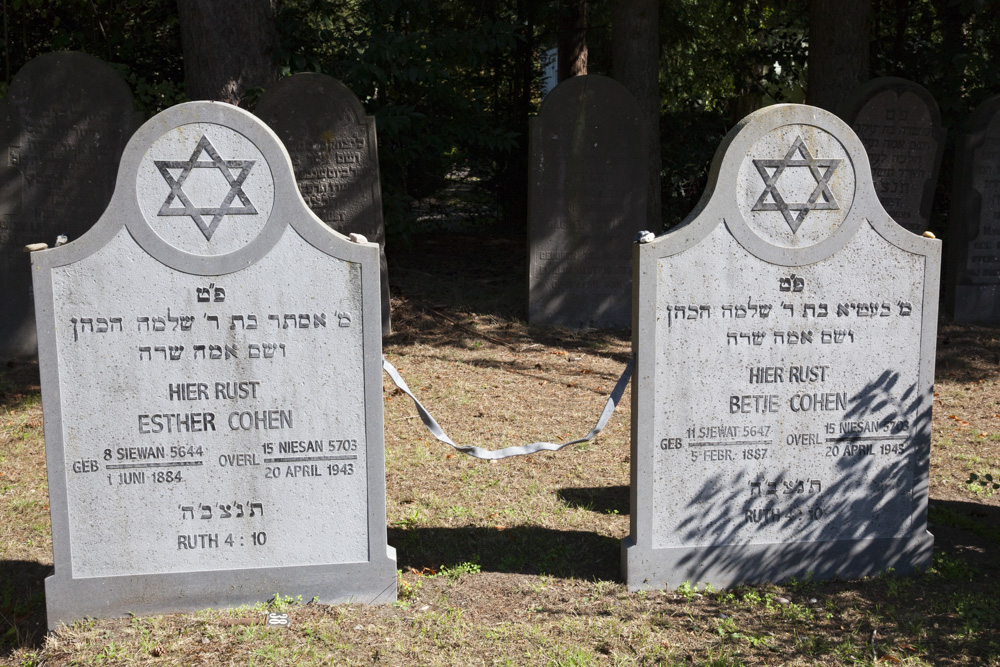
(517, 562)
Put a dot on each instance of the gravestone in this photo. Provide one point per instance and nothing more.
(974, 266)
(784, 341)
(335, 155)
(899, 124)
(211, 384)
(63, 125)
(586, 201)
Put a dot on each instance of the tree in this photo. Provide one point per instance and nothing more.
(227, 47)
(838, 50)
(572, 36)
(636, 62)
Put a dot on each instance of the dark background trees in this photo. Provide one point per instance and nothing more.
(452, 83)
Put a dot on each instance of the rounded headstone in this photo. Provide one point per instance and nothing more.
(899, 123)
(63, 125)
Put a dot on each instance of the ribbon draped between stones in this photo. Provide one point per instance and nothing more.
(492, 454)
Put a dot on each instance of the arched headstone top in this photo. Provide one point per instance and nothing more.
(900, 87)
(312, 92)
(793, 185)
(595, 91)
(205, 188)
(60, 74)
(899, 124)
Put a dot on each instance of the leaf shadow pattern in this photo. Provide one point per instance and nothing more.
(866, 517)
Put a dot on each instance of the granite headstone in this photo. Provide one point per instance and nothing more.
(335, 155)
(211, 384)
(63, 125)
(784, 339)
(586, 202)
(899, 123)
(974, 266)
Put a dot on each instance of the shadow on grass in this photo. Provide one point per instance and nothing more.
(600, 499)
(22, 605)
(520, 549)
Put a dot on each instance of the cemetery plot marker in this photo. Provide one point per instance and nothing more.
(784, 341)
(211, 382)
(899, 123)
(974, 290)
(63, 126)
(335, 155)
(587, 199)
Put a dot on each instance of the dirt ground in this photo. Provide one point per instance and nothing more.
(518, 561)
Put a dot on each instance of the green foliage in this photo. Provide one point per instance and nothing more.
(140, 38)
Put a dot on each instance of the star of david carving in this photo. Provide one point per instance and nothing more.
(225, 167)
(821, 199)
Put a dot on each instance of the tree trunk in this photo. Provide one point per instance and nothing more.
(838, 49)
(227, 47)
(572, 36)
(636, 61)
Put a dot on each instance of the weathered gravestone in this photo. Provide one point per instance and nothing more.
(211, 382)
(335, 155)
(899, 123)
(785, 355)
(63, 126)
(587, 199)
(974, 266)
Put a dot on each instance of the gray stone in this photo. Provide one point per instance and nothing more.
(587, 200)
(335, 155)
(974, 228)
(899, 123)
(784, 339)
(63, 126)
(211, 384)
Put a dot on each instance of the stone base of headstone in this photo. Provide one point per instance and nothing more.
(764, 563)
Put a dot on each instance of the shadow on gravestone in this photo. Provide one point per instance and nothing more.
(227, 322)
(335, 155)
(973, 291)
(63, 126)
(899, 124)
(586, 201)
(784, 341)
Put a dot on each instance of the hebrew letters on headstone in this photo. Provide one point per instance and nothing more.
(974, 269)
(784, 349)
(899, 123)
(335, 155)
(211, 385)
(586, 201)
(63, 126)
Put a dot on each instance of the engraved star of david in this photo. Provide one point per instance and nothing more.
(224, 167)
(821, 198)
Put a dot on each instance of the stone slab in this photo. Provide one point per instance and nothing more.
(63, 125)
(899, 123)
(974, 229)
(586, 201)
(211, 386)
(784, 337)
(335, 155)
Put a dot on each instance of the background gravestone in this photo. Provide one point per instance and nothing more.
(335, 155)
(211, 385)
(784, 340)
(974, 266)
(63, 125)
(899, 123)
(587, 199)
